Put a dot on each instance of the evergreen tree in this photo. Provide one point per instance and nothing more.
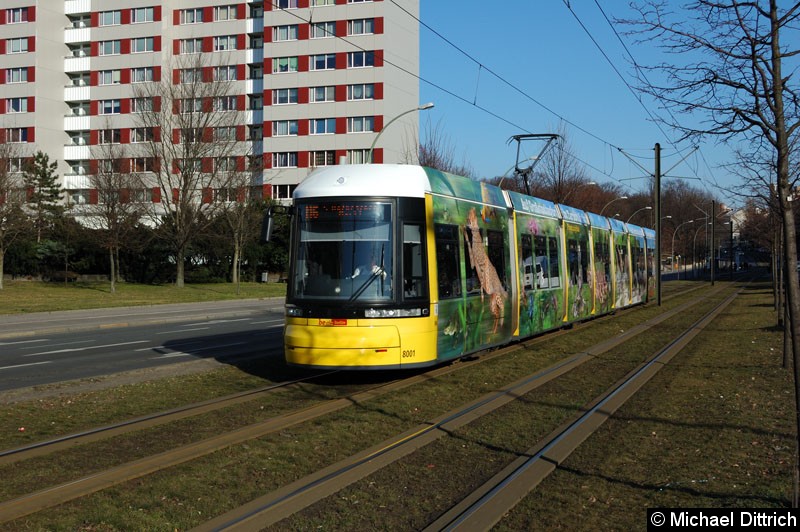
(44, 192)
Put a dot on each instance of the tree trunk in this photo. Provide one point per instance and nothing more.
(179, 258)
(2, 266)
(113, 274)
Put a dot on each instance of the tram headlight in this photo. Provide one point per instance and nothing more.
(294, 312)
(393, 312)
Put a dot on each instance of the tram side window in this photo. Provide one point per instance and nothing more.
(578, 263)
(447, 260)
(546, 257)
(414, 285)
(529, 268)
(601, 255)
(497, 255)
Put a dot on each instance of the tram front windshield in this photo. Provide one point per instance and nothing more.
(344, 251)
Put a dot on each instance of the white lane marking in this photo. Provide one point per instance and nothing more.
(184, 330)
(172, 355)
(74, 349)
(268, 321)
(25, 365)
(59, 344)
(24, 342)
(214, 322)
(181, 353)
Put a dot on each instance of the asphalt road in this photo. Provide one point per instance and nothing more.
(45, 348)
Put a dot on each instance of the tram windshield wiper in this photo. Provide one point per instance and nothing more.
(378, 271)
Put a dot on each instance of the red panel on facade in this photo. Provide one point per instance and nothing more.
(378, 92)
(176, 17)
(378, 58)
(341, 125)
(31, 44)
(93, 196)
(302, 4)
(31, 104)
(241, 72)
(176, 195)
(94, 48)
(208, 74)
(2, 76)
(208, 14)
(157, 14)
(93, 108)
(125, 106)
(125, 76)
(94, 19)
(156, 73)
(340, 93)
(341, 154)
(157, 43)
(176, 76)
(303, 95)
(208, 43)
(302, 63)
(240, 42)
(125, 16)
(302, 127)
(341, 28)
(303, 32)
(156, 195)
(341, 60)
(378, 26)
(157, 134)
(125, 136)
(176, 136)
(377, 123)
(31, 74)
(176, 47)
(240, 133)
(2, 46)
(241, 11)
(32, 14)
(125, 46)
(267, 129)
(31, 134)
(157, 103)
(377, 156)
(302, 159)
(93, 134)
(208, 193)
(341, 2)
(266, 191)
(207, 166)
(241, 103)
(93, 78)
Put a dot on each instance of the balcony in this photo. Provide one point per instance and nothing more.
(76, 94)
(76, 153)
(76, 35)
(76, 64)
(76, 123)
(254, 86)
(254, 55)
(76, 7)
(255, 25)
(76, 181)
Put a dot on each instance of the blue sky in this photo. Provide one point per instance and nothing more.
(540, 48)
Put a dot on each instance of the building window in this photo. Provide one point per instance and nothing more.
(142, 105)
(225, 73)
(225, 13)
(109, 47)
(142, 74)
(360, 124)
(225, 133)
(287, 159)
(109, 136)
(282, 65)
(141, 164)
(360, 59)
(284, 128)
(323, 158)
(142, 14)
(191, 46)
(190, 75)
(285, 33)
(108, 77)
(358, 156)
(16, 165)
(17, 134)
(361, 26)
(16, 15)
(17, 75)
(285, 4)
(190, 166)
(320, 3)
(358, 1)
(110, 18)
(361, 91)
(323, 126)
(323, 62)
(17, 105)
(224, 42)
(142, 44)
(255, 132)
(323, 30)
(225, 164)
(255, 102)
(17, 46)
(191, 16)
(225, 103)
(190, 105)
(191, 134)
(109, 107)
(255, 71)
(284, 96)
(141, 134)
(322, 94)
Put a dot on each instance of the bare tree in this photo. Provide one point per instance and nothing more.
(436, 150)
(13, 220)
(196, 131)
(560, 172)
(729, 69)
(119, 203)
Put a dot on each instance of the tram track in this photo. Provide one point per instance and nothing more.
(58, 494)
(295, 497)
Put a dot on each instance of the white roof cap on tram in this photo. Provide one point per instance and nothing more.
(388, 180)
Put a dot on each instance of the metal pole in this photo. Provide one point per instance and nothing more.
(713, 231)
(657, 205)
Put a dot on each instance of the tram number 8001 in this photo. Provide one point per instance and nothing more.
(409, 353)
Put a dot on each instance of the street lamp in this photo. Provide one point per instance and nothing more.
(672, 256)
(694, 244)
(648, 208)
(425, 107)
(610, 202)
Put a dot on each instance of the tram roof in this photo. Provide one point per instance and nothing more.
(387, 180)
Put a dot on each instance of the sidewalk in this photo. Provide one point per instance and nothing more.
(20, 325)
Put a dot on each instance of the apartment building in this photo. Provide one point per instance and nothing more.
(314, 80)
